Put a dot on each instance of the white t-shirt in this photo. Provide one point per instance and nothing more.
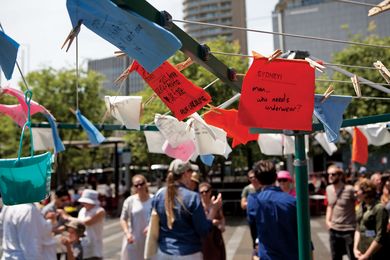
(26, 234)
(93, 241)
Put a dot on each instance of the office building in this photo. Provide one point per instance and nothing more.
(326, 19)
(226, 12)
(111, 68)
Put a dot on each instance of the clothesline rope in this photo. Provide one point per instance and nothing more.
(325, 63)
(348, 82)
(356, 3)
(283, 34)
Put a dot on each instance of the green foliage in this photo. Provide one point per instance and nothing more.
(363, 56)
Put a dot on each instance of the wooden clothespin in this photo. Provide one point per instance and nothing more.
(356, 86)
(73, 34)
(123, 75)
(211, 108)
(327, 93)
(72, 110)
(185, 64)
(381, 7)
(257, 55)
(150, 99)
(275, 55)
(315, 65)
(119, 54)
(382, 70)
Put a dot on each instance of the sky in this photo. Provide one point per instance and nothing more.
(41, 26)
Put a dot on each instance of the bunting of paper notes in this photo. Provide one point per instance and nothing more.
(126, 109)
(278, 95)
(138, 37)
(180, 95)
(8, 53)
(95, 137)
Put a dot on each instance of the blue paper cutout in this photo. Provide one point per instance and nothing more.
(95, 137)
(8, 54)
(207, 159)
(58, 145)
(330, 114)
(147, 42)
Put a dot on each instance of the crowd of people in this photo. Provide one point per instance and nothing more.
(191, 218)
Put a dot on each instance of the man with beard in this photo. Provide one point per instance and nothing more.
(340, 214)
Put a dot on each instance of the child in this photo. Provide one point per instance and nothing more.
(72, 242)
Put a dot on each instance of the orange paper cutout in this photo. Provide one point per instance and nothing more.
(180, 95)
(359, 147)
(278, 95)
(227, 120)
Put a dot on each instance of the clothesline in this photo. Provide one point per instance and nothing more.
(283, 34)
(348, 82)
(325, 63)
(356, 3)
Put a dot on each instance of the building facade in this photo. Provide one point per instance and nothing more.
(326, 19)
(111, 68)
(226, 12)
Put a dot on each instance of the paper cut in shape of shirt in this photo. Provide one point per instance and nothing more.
(276, 144)
(330, 114)
(376, 134)
(94, 136)
(126, 109)
(141, 39)
(155, 141)
(207, 159)
(278, 95)
(8, 54)
(173, 130)
(227, 120)
(183, 151)
(359, 147)
(330, 148)
(179, 94)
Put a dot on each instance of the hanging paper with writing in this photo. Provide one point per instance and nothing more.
(278, 95)
(180, 95)
(138, 37)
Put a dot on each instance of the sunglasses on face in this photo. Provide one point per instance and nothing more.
(282, 180)
(204, 191)
(139, 184)
(251, 177)
(333, 174)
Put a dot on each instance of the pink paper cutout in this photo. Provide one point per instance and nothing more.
(183, 151)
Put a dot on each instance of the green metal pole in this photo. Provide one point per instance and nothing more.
(303, 217)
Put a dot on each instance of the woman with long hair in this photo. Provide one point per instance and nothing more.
(134, 219)
(371, 237)
(213, 245)
(183, 221)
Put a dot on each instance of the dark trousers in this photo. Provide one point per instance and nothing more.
(341, 243)
(252, 226)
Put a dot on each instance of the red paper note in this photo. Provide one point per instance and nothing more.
(227, 120)
(359, 147)
(278, 95)
(180, 95)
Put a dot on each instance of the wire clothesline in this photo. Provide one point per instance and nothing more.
(356, 3)
(283, 34)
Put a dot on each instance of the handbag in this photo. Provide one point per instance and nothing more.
(151, 242)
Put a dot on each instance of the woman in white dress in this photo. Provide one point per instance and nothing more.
(134, 219)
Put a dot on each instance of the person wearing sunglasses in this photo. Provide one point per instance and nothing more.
(286, 183)
(213, 246)
(340, 214)
(134, 219)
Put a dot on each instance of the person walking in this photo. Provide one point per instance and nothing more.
(340, 214)
(371, 237)
(213, 246)
(286, 183)
(183, 221)
(134, 219)
(274, 212)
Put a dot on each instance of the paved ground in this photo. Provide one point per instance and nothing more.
(237, 239)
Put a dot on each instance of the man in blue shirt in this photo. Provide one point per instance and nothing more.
(274, 212)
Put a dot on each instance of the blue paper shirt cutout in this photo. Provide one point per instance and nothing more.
(95, 137)
(330, 114)
(207, 159)
(58, 145)
(8, 54)
(147, 42)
